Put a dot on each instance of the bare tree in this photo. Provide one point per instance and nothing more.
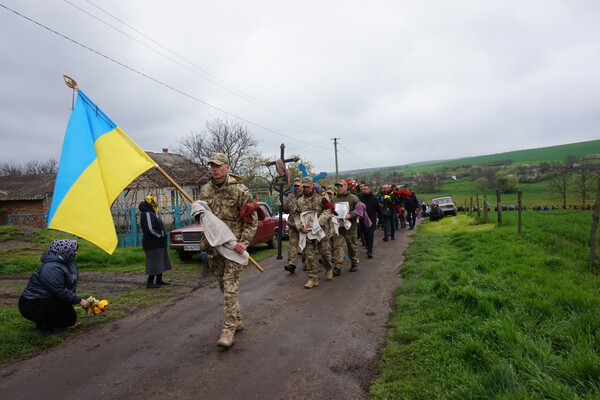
(10, 169)
(584, 179)
(230, 138)
(559, 180)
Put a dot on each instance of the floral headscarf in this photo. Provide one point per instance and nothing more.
(65, 249)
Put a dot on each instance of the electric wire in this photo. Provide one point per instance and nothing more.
(215, 80)
(156, 80)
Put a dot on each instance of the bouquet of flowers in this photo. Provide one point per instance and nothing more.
(353, 186)
(96, 306)
(393, 197)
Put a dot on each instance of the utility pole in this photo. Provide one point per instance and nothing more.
(337, 175)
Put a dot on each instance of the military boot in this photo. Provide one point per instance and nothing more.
(329, 274)
(311, 284)
(227, 338)
(239, 326)
(337, 271)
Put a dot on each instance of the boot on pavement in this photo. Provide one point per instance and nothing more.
(337, 271)
(311, 284)
(239, 326)
(290, 268)
(329, 274)
(227, 338)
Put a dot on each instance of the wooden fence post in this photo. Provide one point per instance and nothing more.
(499, 206)
(485, 210)
(478, 212)
(520, 205)
(471, 207)
(594, 230)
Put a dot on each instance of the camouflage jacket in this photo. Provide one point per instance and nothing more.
(351, 199)
(289, 207)
(225, 202)
(314, 201)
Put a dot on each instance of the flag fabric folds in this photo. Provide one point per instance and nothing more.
(98, 161)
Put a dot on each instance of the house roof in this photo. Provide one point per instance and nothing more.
(35, 187)
(26, 187)
(179, 168)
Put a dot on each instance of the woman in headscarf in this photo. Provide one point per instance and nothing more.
(154, 242)
(49, 296)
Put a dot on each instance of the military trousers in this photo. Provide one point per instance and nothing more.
(228, 275)
(349, 236)
(308, 256)
(294, 238)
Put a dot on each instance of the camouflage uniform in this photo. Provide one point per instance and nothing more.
(289, 207)
(348, 235)
(314, 201)
(225, 201)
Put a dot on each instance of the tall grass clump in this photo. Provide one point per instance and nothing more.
(486, 313)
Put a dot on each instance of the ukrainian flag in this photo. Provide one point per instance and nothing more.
(98, 161)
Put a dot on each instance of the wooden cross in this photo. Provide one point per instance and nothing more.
(281, 180)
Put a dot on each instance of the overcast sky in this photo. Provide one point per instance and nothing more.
(396, 81)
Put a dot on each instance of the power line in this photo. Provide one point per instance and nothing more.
(215, 80)
(156, 80)
(355, 156)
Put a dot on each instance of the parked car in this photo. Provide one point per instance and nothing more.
(446, 204)
(186, 240)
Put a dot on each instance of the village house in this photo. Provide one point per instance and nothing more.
(26, 199)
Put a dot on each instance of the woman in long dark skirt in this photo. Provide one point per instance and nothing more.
(154, 242)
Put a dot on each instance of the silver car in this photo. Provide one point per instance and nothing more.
(446, 204)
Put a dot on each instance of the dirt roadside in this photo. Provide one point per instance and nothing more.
(297, 344)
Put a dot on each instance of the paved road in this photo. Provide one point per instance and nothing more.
(298, 344)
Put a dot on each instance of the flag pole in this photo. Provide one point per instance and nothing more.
(187, 196)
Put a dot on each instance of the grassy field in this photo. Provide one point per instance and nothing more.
(486, 313)
(536, 194)
(530, 156)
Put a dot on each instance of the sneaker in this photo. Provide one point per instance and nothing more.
(290, 268)
(311, 284)
(385, 239)
(68, 328)
(354, 268)
(227, 338)
(337, 271)
(369, 255)
(329, 274)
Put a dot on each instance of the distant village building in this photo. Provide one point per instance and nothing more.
(26, 199)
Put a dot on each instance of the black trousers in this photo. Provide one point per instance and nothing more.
(48, 313)
(369, 235)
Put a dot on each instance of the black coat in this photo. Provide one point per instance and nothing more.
(372, 207)
(155, 234)
(54, 278)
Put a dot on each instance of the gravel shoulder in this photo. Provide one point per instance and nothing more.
(321, 343)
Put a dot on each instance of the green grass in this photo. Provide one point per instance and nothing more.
(486, 313)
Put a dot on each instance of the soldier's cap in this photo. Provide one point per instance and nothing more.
(307, 181)
(297, 182)
(330, 191)
(341, 182)
(219, 159)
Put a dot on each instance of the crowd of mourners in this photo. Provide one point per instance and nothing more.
(321, 220)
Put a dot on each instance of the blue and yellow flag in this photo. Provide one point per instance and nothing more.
(98, 161)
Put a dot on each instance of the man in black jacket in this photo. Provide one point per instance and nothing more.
(373, 209)
(412, 204)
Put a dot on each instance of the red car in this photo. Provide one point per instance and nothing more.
(186, 240)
